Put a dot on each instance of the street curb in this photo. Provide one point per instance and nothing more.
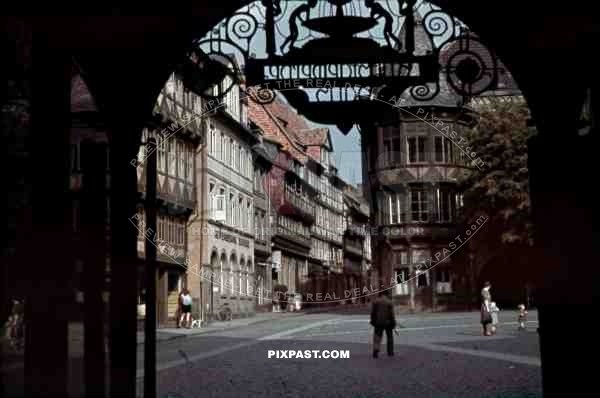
(201, 332)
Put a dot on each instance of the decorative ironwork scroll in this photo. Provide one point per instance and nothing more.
(339, 61)
(470, 67)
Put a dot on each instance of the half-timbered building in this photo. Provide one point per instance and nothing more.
(176, 128)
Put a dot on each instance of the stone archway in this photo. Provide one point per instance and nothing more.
(223, 277)
(209, 298)
(528, 47)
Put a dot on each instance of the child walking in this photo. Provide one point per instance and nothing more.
(522, 316)
(494, 312)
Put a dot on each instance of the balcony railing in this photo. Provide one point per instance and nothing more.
(354, 246)
(290, 234)
(300, 202)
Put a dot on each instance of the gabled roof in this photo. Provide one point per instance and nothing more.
(81, 98)
(275, 128)
(291, 120)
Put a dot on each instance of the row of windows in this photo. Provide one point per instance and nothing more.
(231, 207)
(233, 282)
(421, 149)
(227, 150)
(330, 194)
(423, 277)
(175, 156)
(296, 195)
(169, 229)
(321, 250)
(419, 204)
(417, 143)
(231, 100)
(328, 223)
(294, 226)
(175, 90)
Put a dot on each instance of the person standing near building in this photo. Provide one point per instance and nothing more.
(383, 318)
(186, 308)
(522, 316)
(486, 315)
(494, 310)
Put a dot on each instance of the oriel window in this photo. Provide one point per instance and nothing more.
(416, 149)
(419, 202)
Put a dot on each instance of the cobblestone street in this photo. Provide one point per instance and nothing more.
(441, 355)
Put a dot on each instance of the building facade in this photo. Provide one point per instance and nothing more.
(413, 167)
(327, 233)
(230, 213)
(357, 250)
(291, 196)
(177, 133)
(89, 144)
(307, 210)
(264, 154)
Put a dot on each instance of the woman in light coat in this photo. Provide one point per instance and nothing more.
(486, 316)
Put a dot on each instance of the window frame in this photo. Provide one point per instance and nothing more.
(422, 204)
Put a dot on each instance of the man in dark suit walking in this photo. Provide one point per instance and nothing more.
(383, 318)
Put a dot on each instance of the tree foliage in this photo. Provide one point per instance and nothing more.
(499, 189)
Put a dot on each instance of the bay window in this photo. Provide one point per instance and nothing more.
(443, 149)
(391, 145)
(416, 149)
(419, 202)
(444, 205)
(394, 208)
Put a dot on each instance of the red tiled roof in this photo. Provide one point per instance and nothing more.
(314, 137)
(267, 118)
(292, 122)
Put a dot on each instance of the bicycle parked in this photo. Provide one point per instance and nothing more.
(15, 327)
(225, 313)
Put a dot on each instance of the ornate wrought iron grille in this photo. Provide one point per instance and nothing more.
(341, 61)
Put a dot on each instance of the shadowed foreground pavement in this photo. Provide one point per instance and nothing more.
(436, 356)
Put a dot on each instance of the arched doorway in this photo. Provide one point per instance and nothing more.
(554, 120)
(215, 272)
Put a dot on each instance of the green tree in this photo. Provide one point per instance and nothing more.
(498, 190)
